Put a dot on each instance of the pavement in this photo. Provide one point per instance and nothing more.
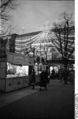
(56, 103)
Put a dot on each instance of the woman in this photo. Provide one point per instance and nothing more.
(44, 79)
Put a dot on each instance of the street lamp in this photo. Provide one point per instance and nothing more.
(40, 50)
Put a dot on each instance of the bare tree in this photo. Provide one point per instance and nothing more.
(5, 7)
(64, 37)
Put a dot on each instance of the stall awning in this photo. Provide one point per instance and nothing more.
(19, 59)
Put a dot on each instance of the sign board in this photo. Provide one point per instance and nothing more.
(19, 59)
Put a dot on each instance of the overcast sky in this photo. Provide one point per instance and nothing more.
(32, 16)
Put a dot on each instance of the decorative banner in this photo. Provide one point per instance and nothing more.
(19, 59)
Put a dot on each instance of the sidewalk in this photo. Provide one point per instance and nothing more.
(7, 98)
(55, 103)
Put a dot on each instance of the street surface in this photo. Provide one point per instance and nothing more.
(56, 103)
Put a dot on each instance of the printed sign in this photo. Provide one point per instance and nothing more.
(19, 59)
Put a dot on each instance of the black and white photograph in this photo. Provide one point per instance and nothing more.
(37, 59)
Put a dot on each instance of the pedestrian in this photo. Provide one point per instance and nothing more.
(53, 73)
(33, 79)
(43, 79)
(47, 75)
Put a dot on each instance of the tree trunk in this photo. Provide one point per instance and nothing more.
(65, 72)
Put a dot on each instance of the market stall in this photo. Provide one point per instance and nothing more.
(14, 71)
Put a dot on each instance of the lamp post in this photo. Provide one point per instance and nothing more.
(21, 39)
(40, 50)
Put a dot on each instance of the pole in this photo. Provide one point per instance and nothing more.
(40, 50)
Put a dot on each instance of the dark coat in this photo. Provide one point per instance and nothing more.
(43, 78)
(32, 79)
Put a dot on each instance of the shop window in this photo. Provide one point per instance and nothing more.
(17, 71)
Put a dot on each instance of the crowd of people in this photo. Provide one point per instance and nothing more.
(43, 80)
(45, 76)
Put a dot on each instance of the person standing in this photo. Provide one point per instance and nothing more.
(33, 79)
(44, 79)
(53, 73)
